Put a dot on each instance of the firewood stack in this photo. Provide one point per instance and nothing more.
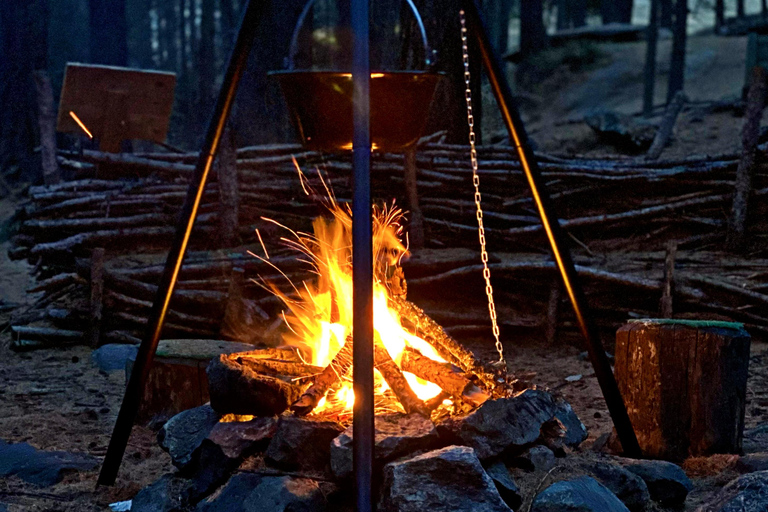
(621, 214)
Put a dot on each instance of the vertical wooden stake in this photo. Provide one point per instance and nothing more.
(669, 280)
(229, 193)
(553, 311)
(749, 137)
(47, 121)
(233, 312)
(416, 233)
(97, 292)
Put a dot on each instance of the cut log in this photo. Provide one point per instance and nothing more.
(330, 375)
(56, 283)
(669, 281)
(453, 382)
(29, 338)
(236, 389)
(684, 384)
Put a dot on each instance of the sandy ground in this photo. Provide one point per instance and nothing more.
(57, 400)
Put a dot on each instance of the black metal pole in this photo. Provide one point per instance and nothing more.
(362, 262)
(560, 250)
(146, 354)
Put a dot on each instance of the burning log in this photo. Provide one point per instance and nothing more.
(420, 324)
(396, 380)
(454, 383)
(330, 375)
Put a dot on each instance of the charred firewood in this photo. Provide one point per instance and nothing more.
(419, 323)
(396, 380)
(276, 367)
(444, 375)
(235, 388)
(330, 375)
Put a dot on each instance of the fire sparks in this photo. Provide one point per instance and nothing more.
(80, 124)
(319, 314)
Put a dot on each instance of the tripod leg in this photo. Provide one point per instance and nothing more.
(146, 354)
(560, 250)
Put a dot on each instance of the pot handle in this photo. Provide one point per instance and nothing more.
(295, 37)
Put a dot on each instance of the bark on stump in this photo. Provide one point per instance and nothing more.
(684, 383)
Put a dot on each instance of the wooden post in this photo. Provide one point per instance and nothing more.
(234, 321)
(669, 281)
(553, 307)
(416, 233)
(677, 60)
(649, 75)
(46, 117)
(684, 384)
(749, 138)
(97, 292)
(229, 193)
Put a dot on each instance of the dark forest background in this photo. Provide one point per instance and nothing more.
(192, 38)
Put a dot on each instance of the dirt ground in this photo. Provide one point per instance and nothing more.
(57, 399)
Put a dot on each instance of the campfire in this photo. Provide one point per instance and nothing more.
(418, 366)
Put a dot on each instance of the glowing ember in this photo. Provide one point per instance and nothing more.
(319, 314)
(80, 124)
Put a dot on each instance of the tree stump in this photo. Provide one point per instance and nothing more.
(684, 383)
(177, 379)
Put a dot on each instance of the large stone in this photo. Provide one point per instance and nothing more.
(251, 492)
(450, 479)
(505, 484)
(667, 482)
(113, 356)
(301, 443)
(583, 494)
(225, 448)
(168, 494)
(40, 467)
(748, 493)
(396, 435)
(503, 424)
(627, 486)
(575, 431)
(755, 439)
(183, 434)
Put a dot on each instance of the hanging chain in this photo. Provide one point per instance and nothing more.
(476, 183)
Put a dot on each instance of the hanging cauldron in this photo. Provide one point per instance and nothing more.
(320, 101)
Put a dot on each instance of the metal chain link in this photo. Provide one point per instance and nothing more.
(476, 183)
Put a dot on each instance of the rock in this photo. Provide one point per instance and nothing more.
(752, 462)
(505, 484)
(621, 130)
(40, 467)
(667, 482)
(575, 431)
(627, 486)
(251, 492)
(583, 494)
(748, 493)
(396, 435)
(301, 443)
(448, 479)
(113, 356)
(169, 494)
(183, 434)
(502, 424)
(225, 448)
(536, 458)
(3, 507)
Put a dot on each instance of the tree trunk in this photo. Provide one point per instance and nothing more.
(578, 10)
(719, 15)
(665, 14)
(677, 61)
(739, 9)
(649, 75)
(23, 49)
(533, 36)
(47, 126)
(109, 32)
(207, 70)
(756, 98)
(684, 385)
(616, 11)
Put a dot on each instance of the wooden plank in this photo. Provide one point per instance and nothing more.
(113, 101)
